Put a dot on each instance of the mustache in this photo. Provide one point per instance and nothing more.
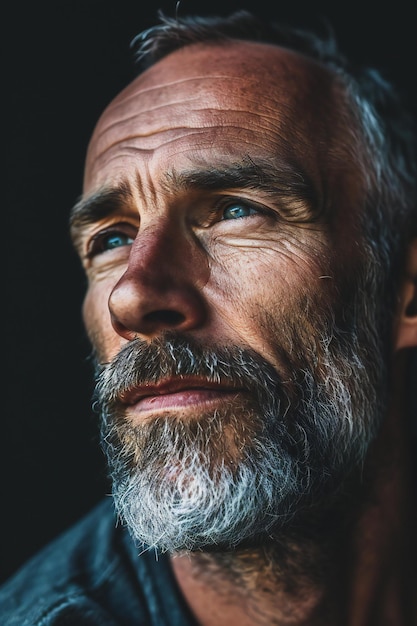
(141, 363)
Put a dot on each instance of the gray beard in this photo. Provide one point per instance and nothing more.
(239, 475)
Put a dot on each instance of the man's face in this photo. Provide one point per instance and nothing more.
(218, 233)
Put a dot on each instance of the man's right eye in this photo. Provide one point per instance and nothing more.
(108, 239)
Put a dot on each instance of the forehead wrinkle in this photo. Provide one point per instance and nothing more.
(189, 131)
(125, 96)
(126, 99)
(137, 108)
(201, 133)
(123, 120)
(218, 114)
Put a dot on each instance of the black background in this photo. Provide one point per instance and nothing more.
(64, 61)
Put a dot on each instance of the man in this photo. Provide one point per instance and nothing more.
(248, 229)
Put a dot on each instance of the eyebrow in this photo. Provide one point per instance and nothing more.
(283, 178)
(287, 182)
(100, 204)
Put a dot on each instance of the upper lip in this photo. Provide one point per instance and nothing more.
(173, 385)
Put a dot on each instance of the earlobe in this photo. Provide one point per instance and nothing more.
(406, 326)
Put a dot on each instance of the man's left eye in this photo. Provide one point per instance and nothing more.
(109, 239)
(238, 210)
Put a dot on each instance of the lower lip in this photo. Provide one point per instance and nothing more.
(189, 398)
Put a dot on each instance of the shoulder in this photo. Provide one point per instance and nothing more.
(69, 575)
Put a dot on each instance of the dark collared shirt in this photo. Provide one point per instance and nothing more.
(93, 574)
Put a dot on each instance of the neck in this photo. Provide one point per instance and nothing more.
(278, 583)
(350, 569)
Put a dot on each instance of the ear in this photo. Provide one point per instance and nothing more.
(406, 322)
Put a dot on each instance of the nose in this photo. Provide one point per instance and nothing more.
(161, 287)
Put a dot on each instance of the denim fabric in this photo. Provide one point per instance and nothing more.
(94, 575)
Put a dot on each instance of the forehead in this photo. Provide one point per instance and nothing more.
(215, 101)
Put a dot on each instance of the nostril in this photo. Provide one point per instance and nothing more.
(165, 317)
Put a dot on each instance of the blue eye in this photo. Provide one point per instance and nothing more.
(109, 239)
(115, 241)
(238, 210)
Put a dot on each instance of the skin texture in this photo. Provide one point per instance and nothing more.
(179, 260)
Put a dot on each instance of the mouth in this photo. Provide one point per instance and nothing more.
(179, 393)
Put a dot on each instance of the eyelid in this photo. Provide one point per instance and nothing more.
(224, 201)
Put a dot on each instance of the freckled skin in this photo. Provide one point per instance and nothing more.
(212, 105)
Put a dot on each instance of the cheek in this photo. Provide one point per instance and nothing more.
(101, 334)
(269, 278)
(267, 296)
